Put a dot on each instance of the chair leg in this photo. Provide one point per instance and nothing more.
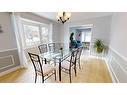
(55, 74)
(35, 77)
(45, 61)
(79, 64)
(75, 70)
(42, 79)
(70, 75)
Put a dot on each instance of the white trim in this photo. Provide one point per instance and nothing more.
(110, 71)
(119, 65)
(8, 50)
(115, 77)
(114, 72)
(118, 54)
(9, 71)
(123, 58)
(12, 58)
(120, 68)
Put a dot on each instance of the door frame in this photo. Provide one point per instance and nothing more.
(85, 25)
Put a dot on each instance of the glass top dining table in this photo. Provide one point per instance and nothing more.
(58, 56)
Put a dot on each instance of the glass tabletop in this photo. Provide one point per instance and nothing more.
(59, 54)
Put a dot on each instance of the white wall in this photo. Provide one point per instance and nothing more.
(118, 35)
(101, 28)
(7, 37)
(56, 32)
(9, 58)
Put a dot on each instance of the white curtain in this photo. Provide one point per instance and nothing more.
(18, 29)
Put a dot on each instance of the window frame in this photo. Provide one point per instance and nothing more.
(47, 26)
(37, 24)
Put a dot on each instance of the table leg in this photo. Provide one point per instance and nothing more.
(59, 69)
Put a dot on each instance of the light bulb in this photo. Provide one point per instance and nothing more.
(60, 14)
(68, 14)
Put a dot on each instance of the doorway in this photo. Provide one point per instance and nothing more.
(82, 35)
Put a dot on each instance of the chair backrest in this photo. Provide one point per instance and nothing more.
(51, 47)
(79, 52)
(58, 46)
(73, 57)
(43, 48)
(36, 62)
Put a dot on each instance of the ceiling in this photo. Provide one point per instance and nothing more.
(75, 16)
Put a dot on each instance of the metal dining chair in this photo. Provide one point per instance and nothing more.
(66, 66)
(43, 69)
(51, 47)
(79, 55)
(43, 48)
(79, 51)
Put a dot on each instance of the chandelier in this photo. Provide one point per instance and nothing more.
(63, 16)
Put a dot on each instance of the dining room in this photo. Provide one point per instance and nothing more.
(56, 47)
(48, 53)
(89, 69)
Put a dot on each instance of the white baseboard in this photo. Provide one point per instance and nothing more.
(118, 63)
(10, 70)
(111, 73)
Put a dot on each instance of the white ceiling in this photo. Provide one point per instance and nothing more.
(75, 16)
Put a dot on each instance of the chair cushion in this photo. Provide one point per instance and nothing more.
(68, 59)
(65, 65)
(47, 69)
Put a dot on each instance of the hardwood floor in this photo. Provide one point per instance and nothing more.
(92, 70)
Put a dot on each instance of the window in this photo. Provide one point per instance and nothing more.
(86, 36)
(83, 37)
(32, 36)
(35, 33)
(44, 35)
